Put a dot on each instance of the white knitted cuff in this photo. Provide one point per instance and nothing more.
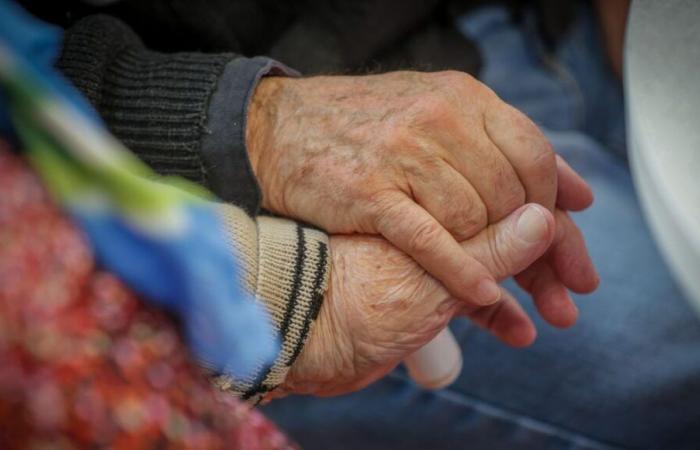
(292, 274)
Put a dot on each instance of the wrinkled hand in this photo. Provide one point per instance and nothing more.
(381, 306)
(424, 159)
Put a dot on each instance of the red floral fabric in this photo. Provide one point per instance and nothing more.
(84, 363)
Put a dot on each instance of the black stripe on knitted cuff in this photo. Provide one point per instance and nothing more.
(316, 300)
(291, 305)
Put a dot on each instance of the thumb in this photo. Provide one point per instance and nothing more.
(511, 245)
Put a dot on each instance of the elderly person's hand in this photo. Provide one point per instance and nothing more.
(381, 306)
(424, 159)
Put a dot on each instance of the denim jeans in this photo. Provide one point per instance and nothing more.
(626, 376)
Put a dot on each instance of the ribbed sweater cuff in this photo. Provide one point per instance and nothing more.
(223, 146)
(287, 268)
(155, 103)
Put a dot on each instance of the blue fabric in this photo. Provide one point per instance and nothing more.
(38, 44)
(626, 376)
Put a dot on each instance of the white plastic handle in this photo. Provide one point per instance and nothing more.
(438, 363)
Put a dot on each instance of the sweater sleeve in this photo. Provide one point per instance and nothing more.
(181, 113)
(184, 114)
(286, 266)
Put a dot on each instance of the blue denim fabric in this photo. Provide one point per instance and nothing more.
(626, 376)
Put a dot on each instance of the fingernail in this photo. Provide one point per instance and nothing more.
(488, 292)
(532, 225)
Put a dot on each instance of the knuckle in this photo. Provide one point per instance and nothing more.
(433, 106)
(541, 169)
(399, 139)
(545, 175)
(544, 158)
(544, 163)
(513, 197)
(543, 155)
(383, 208)
(509, 194)
(465, 219)
(457, 79)
(422, 166)
(527, 132)
(424, 238)
(466, 84)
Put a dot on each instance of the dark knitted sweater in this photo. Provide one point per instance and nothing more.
(157, 104)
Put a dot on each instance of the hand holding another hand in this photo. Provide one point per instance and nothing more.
(440, 167)
(381, 306)
(423, 159)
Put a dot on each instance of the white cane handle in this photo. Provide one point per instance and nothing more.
(437, 364)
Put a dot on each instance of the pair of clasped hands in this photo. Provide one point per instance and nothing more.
(433, 190)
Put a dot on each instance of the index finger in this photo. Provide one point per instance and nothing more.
(413, 230)
(506, 320)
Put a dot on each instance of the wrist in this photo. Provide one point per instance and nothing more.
(262, 118)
